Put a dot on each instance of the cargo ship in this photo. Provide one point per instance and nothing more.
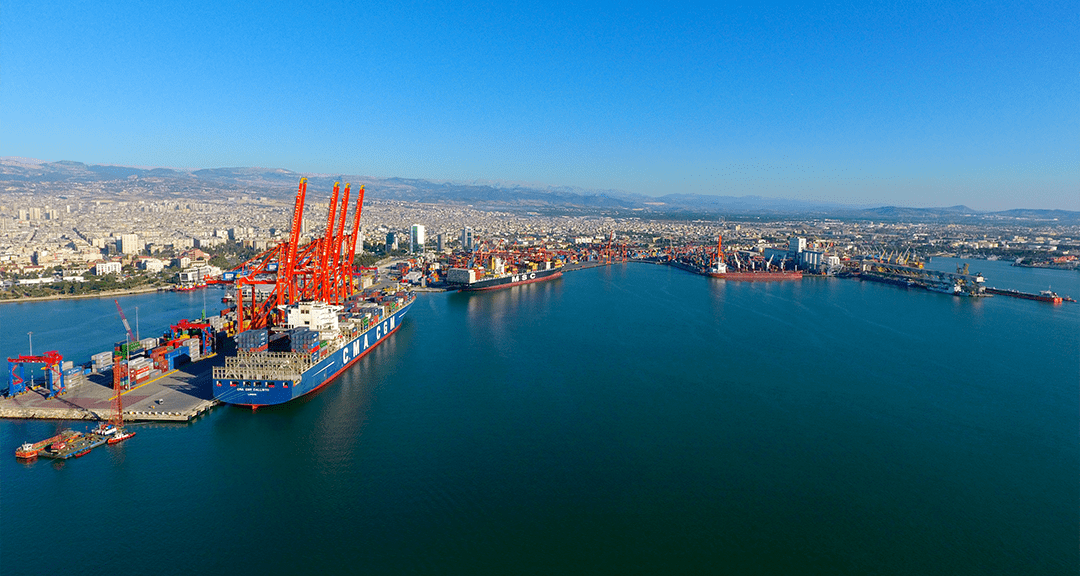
(314, 344)
(1044, 296)
(467, 279)
(754, 275)
(720, 270)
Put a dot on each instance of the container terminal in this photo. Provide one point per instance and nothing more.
(184, 373)
(294, 306)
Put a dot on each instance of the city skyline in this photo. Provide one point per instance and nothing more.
(859, 105)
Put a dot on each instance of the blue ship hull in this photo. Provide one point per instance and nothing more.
(257, 393)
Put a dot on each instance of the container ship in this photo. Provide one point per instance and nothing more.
(315, 343)
(470, 280)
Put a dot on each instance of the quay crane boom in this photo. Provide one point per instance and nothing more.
(130, 334)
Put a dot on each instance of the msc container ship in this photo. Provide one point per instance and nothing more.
(315, 344)
(468, 280)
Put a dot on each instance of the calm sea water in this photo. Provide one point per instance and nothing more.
(631, 419)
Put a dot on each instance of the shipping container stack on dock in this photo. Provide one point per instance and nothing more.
(101, 361)
(158, 368)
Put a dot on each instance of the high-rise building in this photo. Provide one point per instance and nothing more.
(468, 239)
(440, 242)
(416, 238)
(128, 244)
(391, 242)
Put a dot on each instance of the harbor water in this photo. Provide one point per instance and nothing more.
(618, 420)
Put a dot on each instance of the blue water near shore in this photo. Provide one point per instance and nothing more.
(625, 419)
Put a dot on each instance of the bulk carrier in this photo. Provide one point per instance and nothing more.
(316, 342)
(720, 270)
(1043, 296)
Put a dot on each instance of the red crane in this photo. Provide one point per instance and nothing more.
(322, 272)
(350, 256)
(334, 268)
(289, 272)
(288, 295)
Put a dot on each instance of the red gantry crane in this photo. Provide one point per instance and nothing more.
(319, 270)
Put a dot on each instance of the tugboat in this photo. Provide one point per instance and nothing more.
(30, 450)
(121, 435)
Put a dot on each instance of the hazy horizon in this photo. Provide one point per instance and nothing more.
(527, 185)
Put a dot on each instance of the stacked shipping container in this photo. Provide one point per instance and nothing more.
(304, 340)
(252, 340)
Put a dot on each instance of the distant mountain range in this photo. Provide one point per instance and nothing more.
(281, 184)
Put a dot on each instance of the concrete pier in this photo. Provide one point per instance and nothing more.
(177, 396)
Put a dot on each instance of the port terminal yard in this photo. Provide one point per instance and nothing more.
(177, 396)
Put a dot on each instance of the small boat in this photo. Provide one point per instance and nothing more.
(120, 436)
(27, 451)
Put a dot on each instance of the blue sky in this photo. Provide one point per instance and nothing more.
(929, 104)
